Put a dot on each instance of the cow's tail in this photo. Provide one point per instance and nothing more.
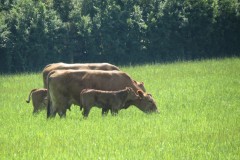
(29, 96)
(48, 95)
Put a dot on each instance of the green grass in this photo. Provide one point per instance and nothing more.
(200, 118)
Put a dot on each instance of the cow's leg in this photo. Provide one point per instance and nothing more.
(62, 110)
(34, 110)
(62, 114)
(105, 111)
(52, 110)
(86, 110)
(52, 114)
(114, 111)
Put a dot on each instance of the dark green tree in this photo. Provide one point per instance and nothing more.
(80, 29)
(5, 58)
(198, 32)
(34, 33)
(226, 37)
(30, 24)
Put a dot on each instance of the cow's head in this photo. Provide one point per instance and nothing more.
(145, 102)
(140, 85)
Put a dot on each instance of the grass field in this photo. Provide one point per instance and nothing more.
(200, 118)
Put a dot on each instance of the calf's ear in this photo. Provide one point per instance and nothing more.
(140, 93)
(150, 94)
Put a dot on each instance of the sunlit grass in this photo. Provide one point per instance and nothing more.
(199, 119)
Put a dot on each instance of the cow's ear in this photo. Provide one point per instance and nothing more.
(140, 93)
(142, 83)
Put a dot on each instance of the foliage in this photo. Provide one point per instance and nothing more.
(34, 33)
(199, 119)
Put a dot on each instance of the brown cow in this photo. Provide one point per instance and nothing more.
(76, 66)
(65, 85)
(39, 99)
(113, 100)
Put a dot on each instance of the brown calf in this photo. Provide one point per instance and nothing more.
(39, 99)
(113, 100)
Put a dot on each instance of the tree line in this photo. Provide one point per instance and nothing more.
(34, 33)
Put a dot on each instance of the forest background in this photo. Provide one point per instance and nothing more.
(34, 33)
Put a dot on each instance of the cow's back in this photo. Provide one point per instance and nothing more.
(76, 66)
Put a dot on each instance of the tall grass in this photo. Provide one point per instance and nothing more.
(199, 119)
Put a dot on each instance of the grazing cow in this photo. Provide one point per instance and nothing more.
(76, 66)
(113, 100)
(39, 99)
(64, 87)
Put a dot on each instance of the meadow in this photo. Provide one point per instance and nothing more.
(199, 104)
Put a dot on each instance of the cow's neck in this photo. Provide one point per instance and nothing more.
(129, 103)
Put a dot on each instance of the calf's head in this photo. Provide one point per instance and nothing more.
(145, 102)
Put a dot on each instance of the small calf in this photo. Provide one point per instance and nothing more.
(113, 100)
(39, 99)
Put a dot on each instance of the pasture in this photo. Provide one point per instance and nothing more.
(200, 118)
